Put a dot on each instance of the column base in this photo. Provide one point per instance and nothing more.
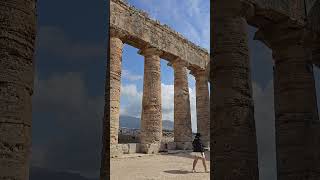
(184, 145)
(115, 150)
(150, 148)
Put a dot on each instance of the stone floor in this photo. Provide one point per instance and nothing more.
(172, 166)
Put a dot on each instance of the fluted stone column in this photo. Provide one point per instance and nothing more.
(203, 105)
(295, 105)
(17, 42)
(116, 47)
(315, 150)
(151, 116)
(234, 136)
(182, 114)
(316, 123)
(112, 108)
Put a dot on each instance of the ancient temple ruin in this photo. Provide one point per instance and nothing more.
(289, 27)
(134, 27)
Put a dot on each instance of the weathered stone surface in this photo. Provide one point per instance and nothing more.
(182, 114)
(151, 116)
(125, 148)
(116, 46)
(116, 150)
(133, 148)
(112, 108)
(141, 31)
(234, 139)
(112, 112)
(315, 150)
(203, 105)
(293, 9)
(313, 18)
(17, 41)
(295, 101)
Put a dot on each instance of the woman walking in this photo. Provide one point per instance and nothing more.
(198, 153)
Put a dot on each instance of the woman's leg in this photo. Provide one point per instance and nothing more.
(194, 163)
(204, 162)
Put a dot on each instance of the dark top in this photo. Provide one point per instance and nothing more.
(197, 145)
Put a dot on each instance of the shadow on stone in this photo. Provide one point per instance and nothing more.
(177, 171)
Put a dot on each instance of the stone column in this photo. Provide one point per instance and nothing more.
(151, 116)
(295, 105)
(234, 136)
(315, 150)
(316, 123)
(182, 114)
(113, 111)
(203, 106)
(17, 42)
(112, 108)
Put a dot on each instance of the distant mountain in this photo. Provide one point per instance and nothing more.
(41, 174)
(132, 122)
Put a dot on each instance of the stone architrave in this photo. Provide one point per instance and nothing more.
(182, 113)
(234, 151)
(151, 116)
(295, 105)
(17, 42)
(203, 105)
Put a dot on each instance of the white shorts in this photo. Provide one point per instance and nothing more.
(198, 154)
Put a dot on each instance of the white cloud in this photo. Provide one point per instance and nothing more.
(130, 76)
(167, 95)
(131, 101)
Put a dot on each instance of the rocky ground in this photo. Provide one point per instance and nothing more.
(175, 165)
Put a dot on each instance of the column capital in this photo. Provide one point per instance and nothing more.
(150, 51)
(116, 33)
(285, 41)
(232, 8)
(199, 74)
(178, 62)
(282, 35)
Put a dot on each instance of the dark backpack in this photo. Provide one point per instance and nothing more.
(197, 145)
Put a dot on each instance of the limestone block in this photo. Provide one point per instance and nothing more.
(150, 148)
(116, 150)
(125, 148)
(133, 148)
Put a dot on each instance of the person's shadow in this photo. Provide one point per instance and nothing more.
(178, 172)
